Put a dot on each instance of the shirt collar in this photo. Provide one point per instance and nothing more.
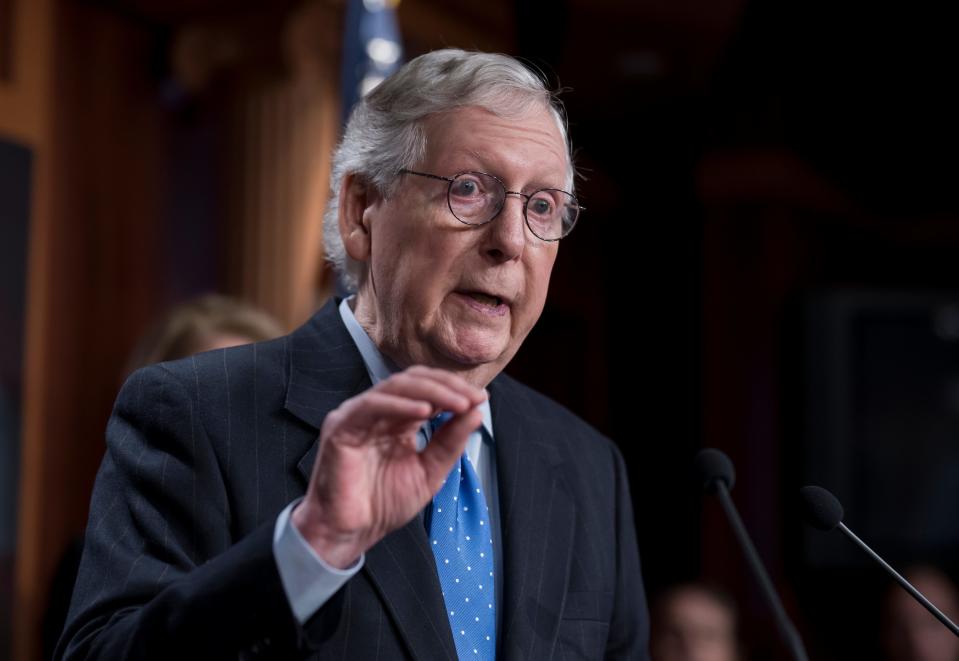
(380, 367)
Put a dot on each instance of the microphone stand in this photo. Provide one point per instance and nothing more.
(906, 585)
(786, 629)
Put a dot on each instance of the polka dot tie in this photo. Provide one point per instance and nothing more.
(462, 544)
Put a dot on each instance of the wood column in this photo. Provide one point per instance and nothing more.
(26, 52)
(283, 132)
(92, 268)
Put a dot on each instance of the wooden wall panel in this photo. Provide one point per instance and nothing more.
(285, 133)
(25, 52)
(26, 47)
(92, 270)
(6, 47)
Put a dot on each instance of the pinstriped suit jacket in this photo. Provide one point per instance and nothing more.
(203, 453)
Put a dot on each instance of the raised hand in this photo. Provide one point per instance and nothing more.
(369, 479)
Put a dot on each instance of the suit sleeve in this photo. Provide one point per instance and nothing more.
(629, 626)
(161, 576)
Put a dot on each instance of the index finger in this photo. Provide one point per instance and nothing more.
(450, 380)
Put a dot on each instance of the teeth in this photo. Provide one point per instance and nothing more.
(491, 301)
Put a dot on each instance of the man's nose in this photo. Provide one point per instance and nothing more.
(507, 232)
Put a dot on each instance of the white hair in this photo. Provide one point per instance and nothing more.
(384, 133)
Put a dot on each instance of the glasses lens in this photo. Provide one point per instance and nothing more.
(551, 213)
(475, 198)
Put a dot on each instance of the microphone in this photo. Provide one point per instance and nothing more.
(715, 471)
(823, 511)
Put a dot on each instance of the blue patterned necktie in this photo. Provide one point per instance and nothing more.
(462, 544)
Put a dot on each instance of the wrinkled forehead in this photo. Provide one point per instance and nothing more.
(530, 138)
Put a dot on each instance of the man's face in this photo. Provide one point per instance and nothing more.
(427, 295)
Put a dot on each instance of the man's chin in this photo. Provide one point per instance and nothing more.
(476, 357)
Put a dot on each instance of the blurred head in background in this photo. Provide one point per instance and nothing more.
(203, 324)
(694, 622)
(910, 632)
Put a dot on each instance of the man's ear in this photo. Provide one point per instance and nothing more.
(357, 197)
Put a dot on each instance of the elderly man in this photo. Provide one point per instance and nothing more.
(449, 512)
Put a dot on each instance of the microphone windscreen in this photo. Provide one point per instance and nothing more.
(821, 509)
(714, 466)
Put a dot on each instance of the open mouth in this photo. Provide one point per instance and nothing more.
(485, 299)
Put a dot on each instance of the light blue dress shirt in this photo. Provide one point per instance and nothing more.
(309, 581)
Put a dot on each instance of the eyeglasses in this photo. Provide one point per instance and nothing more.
(476, 198)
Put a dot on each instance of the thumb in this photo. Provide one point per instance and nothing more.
(447, 445)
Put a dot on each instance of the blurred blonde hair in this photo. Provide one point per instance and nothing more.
(188, 328)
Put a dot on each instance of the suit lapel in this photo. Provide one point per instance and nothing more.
(402, 568)
(325, 369)
(538, 516)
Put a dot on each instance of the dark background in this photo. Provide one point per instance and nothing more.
(774, 246)
(766, 265)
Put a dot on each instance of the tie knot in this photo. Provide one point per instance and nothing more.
(439, 421)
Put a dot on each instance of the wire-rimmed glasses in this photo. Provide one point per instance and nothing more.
(476, 198)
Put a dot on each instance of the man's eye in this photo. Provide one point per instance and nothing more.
(541, 206)
(465, 187)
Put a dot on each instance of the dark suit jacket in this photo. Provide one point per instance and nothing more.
(202, 455)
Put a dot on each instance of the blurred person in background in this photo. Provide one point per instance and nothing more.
(209, 322)
(909, 631)
(694, 622)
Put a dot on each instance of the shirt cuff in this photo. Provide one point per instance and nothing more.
(308, 581)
